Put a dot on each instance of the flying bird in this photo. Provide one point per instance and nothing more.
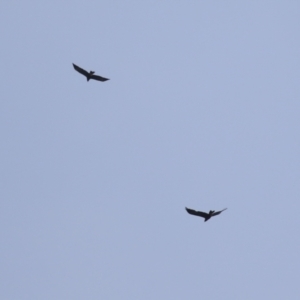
(204, 215)
(89, 75)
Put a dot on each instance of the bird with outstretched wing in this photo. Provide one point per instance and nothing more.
(204, 215)
(89, 75)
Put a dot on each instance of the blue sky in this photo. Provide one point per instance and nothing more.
(201, 110)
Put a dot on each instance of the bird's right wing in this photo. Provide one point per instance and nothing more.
(196, 213)
(99, 78)
(81, 71)
(218, 212)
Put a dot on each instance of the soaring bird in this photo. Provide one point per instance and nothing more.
(89, 75)
(204, 215)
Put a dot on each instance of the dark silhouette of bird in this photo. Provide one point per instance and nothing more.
(204, 215)
(89, 75)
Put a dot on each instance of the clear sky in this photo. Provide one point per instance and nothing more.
(202, 110)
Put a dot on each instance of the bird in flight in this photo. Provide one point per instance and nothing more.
(204, 215)
(89, 75)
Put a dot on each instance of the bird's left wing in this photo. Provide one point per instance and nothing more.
(99, 78)
(196, 213)
(81, 71)
(218, 212)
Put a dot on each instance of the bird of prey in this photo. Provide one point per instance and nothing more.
(204, 215)
(89, 75)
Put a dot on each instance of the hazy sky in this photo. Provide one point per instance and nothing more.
(201, 110)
